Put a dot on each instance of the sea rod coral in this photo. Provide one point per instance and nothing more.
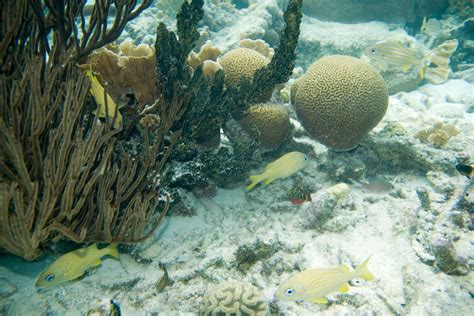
(214, 106)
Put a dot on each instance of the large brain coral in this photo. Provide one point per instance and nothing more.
(233, 298)
(270, 123)
(339, 100)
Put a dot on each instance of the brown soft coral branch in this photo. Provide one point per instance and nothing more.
(63, 173)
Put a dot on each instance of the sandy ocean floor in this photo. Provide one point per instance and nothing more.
(399, 227)
(200, 251)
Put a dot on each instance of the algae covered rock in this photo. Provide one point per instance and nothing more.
(269, 123)
(233, 298)
(340, 100)
(247, 255)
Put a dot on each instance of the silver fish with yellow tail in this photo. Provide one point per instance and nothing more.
(431, 27)
(314, 284)
(283, 167)
(433, 66)
(74, 264)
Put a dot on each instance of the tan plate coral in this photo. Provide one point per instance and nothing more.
(127, 68)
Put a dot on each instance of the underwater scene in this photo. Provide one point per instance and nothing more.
(237, 157)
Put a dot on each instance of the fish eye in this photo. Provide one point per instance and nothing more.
(290, 291)
(49, 277)
(372, 50)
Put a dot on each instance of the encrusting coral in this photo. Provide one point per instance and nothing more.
(339, 100)
(269, 123)
(233, 298)
(438, 134)
(150, 121)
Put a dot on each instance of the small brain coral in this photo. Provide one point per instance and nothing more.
(241, 62)
(339, 100)
(269, 123)
(233, 298)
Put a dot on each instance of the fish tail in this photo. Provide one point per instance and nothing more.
(422, 72)
(440, 57)
(112, 250)
(364, 272)
(255, 180)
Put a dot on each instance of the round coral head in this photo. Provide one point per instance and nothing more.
(340, 100)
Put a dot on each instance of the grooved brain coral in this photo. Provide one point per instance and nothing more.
(339, 100)
(270, 123)
(241, 62)
(233, 298)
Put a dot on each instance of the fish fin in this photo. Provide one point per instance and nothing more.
(69, 277)
(255, 180)
(112, 250)
(363, 272)
(344, 288)
(423, 25)
(440, 57)
(319, 300)
(406, 67)
(422, 72)
(437, 75)
(344, 268)
(268, 180)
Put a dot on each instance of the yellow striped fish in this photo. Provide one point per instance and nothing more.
(395, 53)
(74, 264)
(431, 27)
(314, 284)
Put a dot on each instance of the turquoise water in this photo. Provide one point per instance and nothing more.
(353, 126)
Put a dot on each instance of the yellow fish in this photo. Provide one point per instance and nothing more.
(314, 284)
(394, 53)
(74, 264)
(283, 167)
(97, 92)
